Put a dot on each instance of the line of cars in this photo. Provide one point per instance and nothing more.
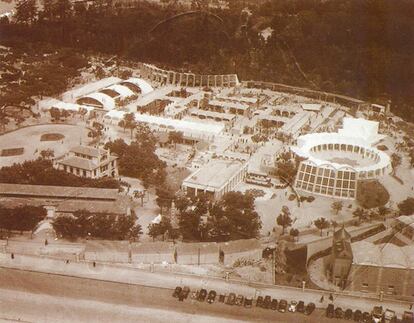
(377, 315)
(265, 302)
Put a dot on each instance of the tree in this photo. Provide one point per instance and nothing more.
(164, 197)
(294, 233)
(55, 114)
(175, 137)
(26, 11)
(383, 211)
(128, 122)
(83, 224)
(118, 147)
(406, 207)
(284, 218)
(21, 218)
(337, 206)
(280, 259)
(157, 229)
(47, 154)
(321, 224)
(372, 194)
(233, 217)
(361, 214)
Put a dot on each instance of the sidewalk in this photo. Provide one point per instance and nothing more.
(130, 275)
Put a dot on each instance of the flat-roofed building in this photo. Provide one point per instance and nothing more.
(65, 200)
(51, 192)
(216, 178)
(385, 269)
(89, 162)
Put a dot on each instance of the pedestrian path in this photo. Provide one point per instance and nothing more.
(130, 275)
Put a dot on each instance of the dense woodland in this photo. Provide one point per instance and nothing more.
(362, 48)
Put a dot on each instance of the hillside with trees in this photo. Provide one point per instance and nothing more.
(360, 48)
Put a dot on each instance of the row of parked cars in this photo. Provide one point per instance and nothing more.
(377, 315)
(266, 302)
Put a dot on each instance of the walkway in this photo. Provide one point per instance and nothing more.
(132, 275)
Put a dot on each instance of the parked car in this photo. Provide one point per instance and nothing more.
(248, 302)
(348, 314)
(339, 313)
(357, 316)
(194, 295)
(283, 304)
(377, 313)
(330, 311)
(408, 317)
(202, 295)
(185, 292)
(259, 301)
(366, 317)
(239, 300)
(222, 298)
(390, 317)
(267, 301)
(211, 296)
(292, 306)
(273, 304)
(301, 307)
(310, 308)
(231, 299)
(177, 291)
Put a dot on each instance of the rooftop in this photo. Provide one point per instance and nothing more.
(88, 151)
(215, 174)
(57, 192)
(383, 255)
(79, 162)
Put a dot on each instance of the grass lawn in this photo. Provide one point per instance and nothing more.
(51, 137)
(12, 152)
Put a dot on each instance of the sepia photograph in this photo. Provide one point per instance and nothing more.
(207, 161)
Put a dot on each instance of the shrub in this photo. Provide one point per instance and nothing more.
(291, 197)
(311, 199)
(372, 194)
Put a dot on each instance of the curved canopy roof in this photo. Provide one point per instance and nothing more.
(107, 102)
(122, 90)
(142, 84)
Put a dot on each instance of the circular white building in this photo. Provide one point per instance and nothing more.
(334, 162)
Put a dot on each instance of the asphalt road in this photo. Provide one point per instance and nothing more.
(38, 297)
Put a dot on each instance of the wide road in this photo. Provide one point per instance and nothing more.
(38, 297)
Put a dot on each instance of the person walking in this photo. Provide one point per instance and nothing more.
(331, 297)
(322, 299)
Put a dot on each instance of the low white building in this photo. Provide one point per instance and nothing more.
(216, 178)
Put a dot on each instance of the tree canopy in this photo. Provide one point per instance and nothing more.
(84, 224)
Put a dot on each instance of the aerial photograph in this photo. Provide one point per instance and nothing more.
(207, 161)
